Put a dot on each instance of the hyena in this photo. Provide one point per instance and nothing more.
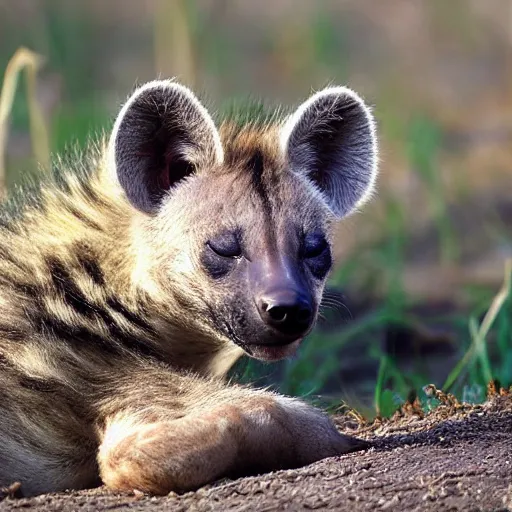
(132, 283)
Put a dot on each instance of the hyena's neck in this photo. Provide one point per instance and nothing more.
(66, 280)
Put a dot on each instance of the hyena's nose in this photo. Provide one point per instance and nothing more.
(286, 311)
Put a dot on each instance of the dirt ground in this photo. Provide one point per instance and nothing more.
(456, 458)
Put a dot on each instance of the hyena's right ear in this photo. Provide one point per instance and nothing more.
(162, 135)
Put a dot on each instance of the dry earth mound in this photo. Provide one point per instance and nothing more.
(458, 457)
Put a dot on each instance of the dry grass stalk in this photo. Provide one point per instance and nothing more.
(174, 46)
(29, 61)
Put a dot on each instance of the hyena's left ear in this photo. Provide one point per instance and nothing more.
(162, 135)
(331, 141)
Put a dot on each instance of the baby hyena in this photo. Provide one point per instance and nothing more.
(130, 285)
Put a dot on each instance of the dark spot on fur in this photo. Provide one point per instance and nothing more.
(89, 264)
(40, 385)
(256, 166)
(29, 290)
(8, 332)
(48, 325)
(130, 316)
(118, 341)
(66, 285)
(133, 342)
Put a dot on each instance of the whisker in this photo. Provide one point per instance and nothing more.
(334, 302)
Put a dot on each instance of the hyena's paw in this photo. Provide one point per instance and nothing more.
(164, 456)
(289, 433)
(243, 433)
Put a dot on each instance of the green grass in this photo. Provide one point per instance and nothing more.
(423, 145)
(75, 123)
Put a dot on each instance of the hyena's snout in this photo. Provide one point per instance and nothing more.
(288, 311)
(285, 306)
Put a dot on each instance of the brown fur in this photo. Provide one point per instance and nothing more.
(111, 361)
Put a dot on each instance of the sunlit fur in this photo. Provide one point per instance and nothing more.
(111, 368)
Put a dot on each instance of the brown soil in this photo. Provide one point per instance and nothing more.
(456, 458)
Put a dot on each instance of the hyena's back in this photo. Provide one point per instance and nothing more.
(128, 291)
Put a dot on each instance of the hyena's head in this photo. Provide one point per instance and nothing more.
(234, 224)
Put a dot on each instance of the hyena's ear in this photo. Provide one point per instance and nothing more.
(162, 135)
(331, 141)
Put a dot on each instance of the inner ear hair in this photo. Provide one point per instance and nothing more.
(162, 135)
(331, 142)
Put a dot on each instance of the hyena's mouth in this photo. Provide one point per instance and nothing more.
(265, 349)
(273, 352)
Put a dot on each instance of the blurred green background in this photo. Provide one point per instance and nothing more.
(418, 269)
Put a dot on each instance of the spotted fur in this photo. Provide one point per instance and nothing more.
(119, 322)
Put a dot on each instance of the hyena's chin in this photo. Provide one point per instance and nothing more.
(273, 352)
(269, 344)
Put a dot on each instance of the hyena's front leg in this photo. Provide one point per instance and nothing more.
(229, 431)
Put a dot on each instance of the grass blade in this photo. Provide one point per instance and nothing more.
(29, 61)
(479, 334)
